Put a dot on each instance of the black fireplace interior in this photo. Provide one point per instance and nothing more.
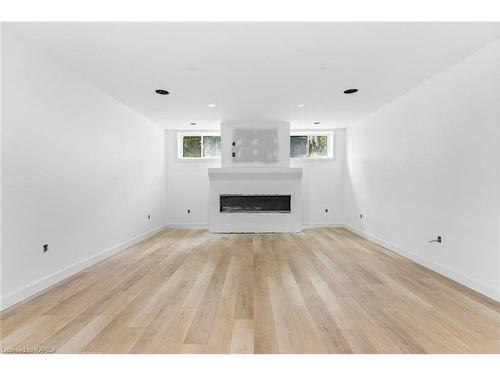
(231, 203)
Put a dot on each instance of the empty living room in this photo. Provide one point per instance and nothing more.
(250, 187)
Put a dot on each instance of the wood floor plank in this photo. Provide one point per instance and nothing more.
(219, 340)
(286, 333)
(173, 338)
(231, 284)
(242, 337)
(333, 338)
(264, 328)
(244, 301)
(374, 332)
(311, 340)
(81, 339)
(202, 324)
(198, 291)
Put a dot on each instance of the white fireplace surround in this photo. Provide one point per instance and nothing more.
(254, 180)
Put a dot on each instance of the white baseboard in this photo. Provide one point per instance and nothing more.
(48, 281)
(469, 282)
(321, 225)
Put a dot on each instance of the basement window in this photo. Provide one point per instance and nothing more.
(198, 146)
(304, 145)
(311, 145)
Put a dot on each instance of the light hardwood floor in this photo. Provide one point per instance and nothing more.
(322, 291)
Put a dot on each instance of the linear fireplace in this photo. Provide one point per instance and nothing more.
(256, 203)
(255, 200)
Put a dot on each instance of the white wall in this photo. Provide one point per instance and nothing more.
(323, 186)
(80, 172)
(188, 187)
(428, 164)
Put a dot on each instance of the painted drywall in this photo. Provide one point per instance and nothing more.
(428, 164)
(256, 144)
(323, 186)
(80, 172)
(188, 186)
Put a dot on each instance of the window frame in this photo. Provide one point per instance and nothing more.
(180, 144)
(330, 151)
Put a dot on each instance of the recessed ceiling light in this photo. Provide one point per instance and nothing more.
(192, 123)
(317, 122)
(300, 105)
(350, 91)
(162, 92)
(211, 105)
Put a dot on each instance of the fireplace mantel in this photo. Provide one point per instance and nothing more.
(255, 173)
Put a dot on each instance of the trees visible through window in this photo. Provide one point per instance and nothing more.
(211, 146)
(191, 147)
(200, 146)
(298, 146)
(310, 146)
(318, 146)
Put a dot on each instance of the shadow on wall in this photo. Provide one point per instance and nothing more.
(255, 145)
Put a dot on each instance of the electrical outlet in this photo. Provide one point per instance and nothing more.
(438, 239)
(45, 248)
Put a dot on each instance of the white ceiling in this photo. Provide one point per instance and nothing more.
(255, 71)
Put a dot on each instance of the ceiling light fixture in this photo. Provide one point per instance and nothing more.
(350, 91)
(211, 105)
(300, 105)
(162, 92)
(192, 123)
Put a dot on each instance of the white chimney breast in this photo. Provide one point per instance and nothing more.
(260, 166)
(255, 181)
